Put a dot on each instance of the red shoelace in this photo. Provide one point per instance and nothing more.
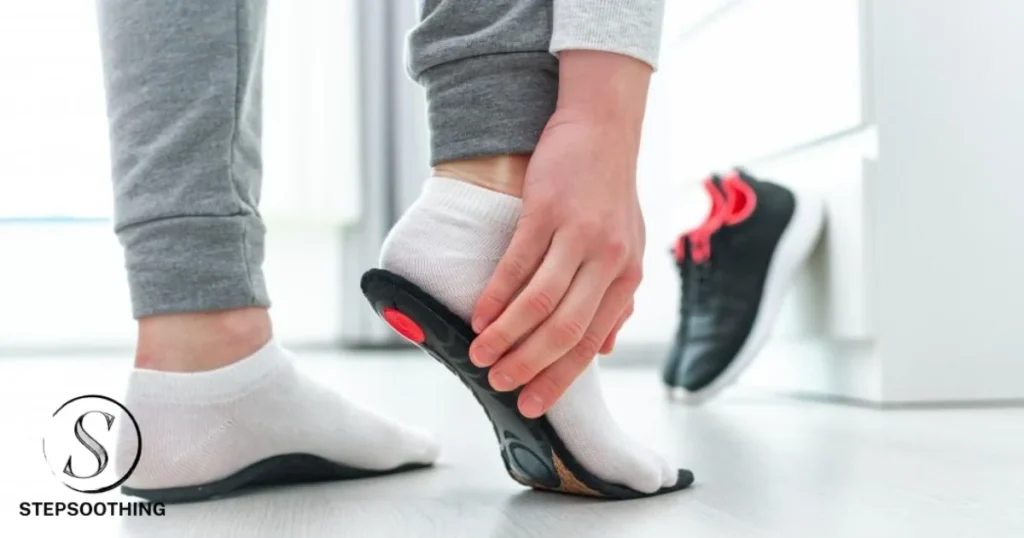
(732, 207)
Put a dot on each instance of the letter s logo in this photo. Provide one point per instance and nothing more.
(91, 444)
(76, 443)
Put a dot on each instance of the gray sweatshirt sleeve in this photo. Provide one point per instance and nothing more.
(629, 27)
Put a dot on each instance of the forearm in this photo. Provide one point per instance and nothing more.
(604, 89)
(629, 27)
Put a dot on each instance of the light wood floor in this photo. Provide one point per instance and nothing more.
(765, 466)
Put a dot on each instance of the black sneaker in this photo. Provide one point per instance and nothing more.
(735, 270)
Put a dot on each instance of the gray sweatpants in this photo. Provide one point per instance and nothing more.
(183, 83)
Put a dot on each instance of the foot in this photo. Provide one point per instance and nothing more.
(448, 244)
(254, 422)
(735, 270)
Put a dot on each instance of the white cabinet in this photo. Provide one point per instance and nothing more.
(906, 117)
(765, 75)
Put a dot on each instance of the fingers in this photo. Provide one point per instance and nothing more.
(609, 343)
(547, 387)
(525, 252)
(533, 305)
(566, 328)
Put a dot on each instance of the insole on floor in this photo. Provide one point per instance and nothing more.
(286, 469)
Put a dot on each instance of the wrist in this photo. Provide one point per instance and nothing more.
(604, 87)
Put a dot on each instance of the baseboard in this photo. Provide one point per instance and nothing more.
(844, 372)
(835, 370)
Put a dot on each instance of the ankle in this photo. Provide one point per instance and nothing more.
(200, 341)
(502, 173)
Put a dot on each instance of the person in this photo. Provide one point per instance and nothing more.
(529, 228)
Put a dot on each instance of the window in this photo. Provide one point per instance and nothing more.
(54, 157)
(65, 286)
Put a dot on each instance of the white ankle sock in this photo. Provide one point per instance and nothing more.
(449, 243)
(200, 427)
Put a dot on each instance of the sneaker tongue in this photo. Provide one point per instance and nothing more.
(740, 198)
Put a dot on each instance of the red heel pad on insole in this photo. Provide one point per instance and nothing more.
(403, 325)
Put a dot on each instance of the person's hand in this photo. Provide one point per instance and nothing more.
(571, 270)
(566, 282)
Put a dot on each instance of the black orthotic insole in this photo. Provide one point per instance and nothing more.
(533, 453)
(283, 470)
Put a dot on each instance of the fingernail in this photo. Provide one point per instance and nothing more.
(482, 356)
(479, 325)
(502, 382)
(532, 406)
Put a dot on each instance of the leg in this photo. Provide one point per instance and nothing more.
(491, 86)
(183, 91)
(215, 395)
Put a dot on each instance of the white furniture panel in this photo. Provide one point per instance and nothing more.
(830, 297)
(948, 218)
(763, 76)
(682, 16)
